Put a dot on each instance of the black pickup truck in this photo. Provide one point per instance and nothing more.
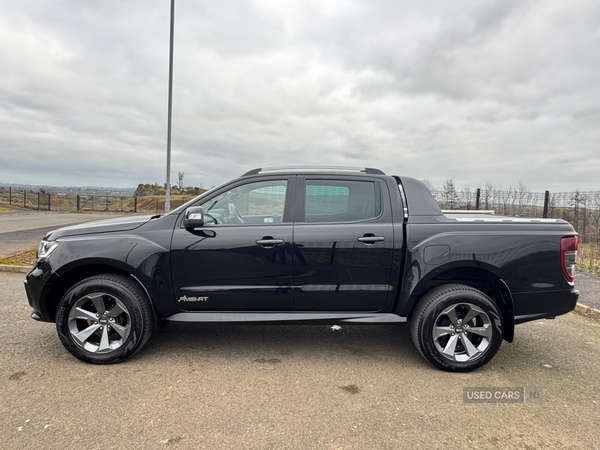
(306, 246)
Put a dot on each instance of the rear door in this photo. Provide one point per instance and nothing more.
(343, 244)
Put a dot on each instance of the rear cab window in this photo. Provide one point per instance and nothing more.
(341, 200)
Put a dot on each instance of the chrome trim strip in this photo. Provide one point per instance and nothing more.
(230, 288)
(301, 288)
(286, 317)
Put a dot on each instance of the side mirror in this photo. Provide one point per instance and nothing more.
(194, 217)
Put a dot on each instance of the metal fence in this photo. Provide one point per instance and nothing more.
(78, 203)
(25, 199)
(580, 208)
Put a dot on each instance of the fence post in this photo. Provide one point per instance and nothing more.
(25, 198)
(546, 201)
(77, 202)
(49, 202)
(38, 201)
(92, 202)
(107, 202)
(157, 205)
(135, 204)
(10, 195)
(477, 199)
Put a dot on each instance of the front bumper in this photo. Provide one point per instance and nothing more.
(37, 286)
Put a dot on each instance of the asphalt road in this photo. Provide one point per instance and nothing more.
(291, 387)
(22, 230)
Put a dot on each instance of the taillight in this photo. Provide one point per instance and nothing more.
(568, 256)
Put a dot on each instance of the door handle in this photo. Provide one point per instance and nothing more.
(370, 239)
(269, 242)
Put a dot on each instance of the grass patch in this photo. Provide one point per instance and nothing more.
(588, 266)
(8, 262)
(19, 259)
(588, 259)
(5, 209)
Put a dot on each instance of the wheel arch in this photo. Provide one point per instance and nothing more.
(478, 278)
(72, 275)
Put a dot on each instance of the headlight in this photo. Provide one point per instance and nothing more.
(45, 248)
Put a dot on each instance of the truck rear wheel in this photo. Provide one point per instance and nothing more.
(457, 328)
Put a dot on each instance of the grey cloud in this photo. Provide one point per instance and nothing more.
(493, 91)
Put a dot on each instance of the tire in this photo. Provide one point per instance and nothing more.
(448, 341)
(104, 319)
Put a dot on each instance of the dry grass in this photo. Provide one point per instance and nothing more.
(588, 259)
(20, 259)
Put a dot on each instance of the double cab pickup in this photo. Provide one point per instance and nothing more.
(306, 246)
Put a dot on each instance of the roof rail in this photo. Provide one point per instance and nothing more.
(344, 169)
(252, 172)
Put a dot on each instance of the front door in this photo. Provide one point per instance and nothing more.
(240, 259)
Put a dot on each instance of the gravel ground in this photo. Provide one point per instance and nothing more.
(291, 387)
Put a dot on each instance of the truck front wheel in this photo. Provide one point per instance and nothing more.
(457, 328)
(104, 319)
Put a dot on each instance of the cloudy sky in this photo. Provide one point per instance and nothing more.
(496, 91)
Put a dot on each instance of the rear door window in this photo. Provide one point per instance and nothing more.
(341, 200)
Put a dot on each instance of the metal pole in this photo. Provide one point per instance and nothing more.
(25, 198)
(49, 202)
(10, 195)
(477, 199)
(170, 112)
(546, 201)
(77, 202)
(38, 201)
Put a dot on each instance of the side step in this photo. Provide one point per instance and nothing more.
(287, 317)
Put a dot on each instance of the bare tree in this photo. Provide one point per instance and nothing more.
(488, 191)
(578, 219)
(504, 199)
(467, 198)
(594, 213)
(521, 196)
(449, 195)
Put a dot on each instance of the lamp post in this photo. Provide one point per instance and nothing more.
(170, 112)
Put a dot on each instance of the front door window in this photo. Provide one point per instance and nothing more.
(259, 203)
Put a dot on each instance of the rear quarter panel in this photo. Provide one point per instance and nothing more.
(525, 256)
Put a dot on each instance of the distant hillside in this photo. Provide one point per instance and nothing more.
(70, 190)
(145, 190)
(141, 191)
